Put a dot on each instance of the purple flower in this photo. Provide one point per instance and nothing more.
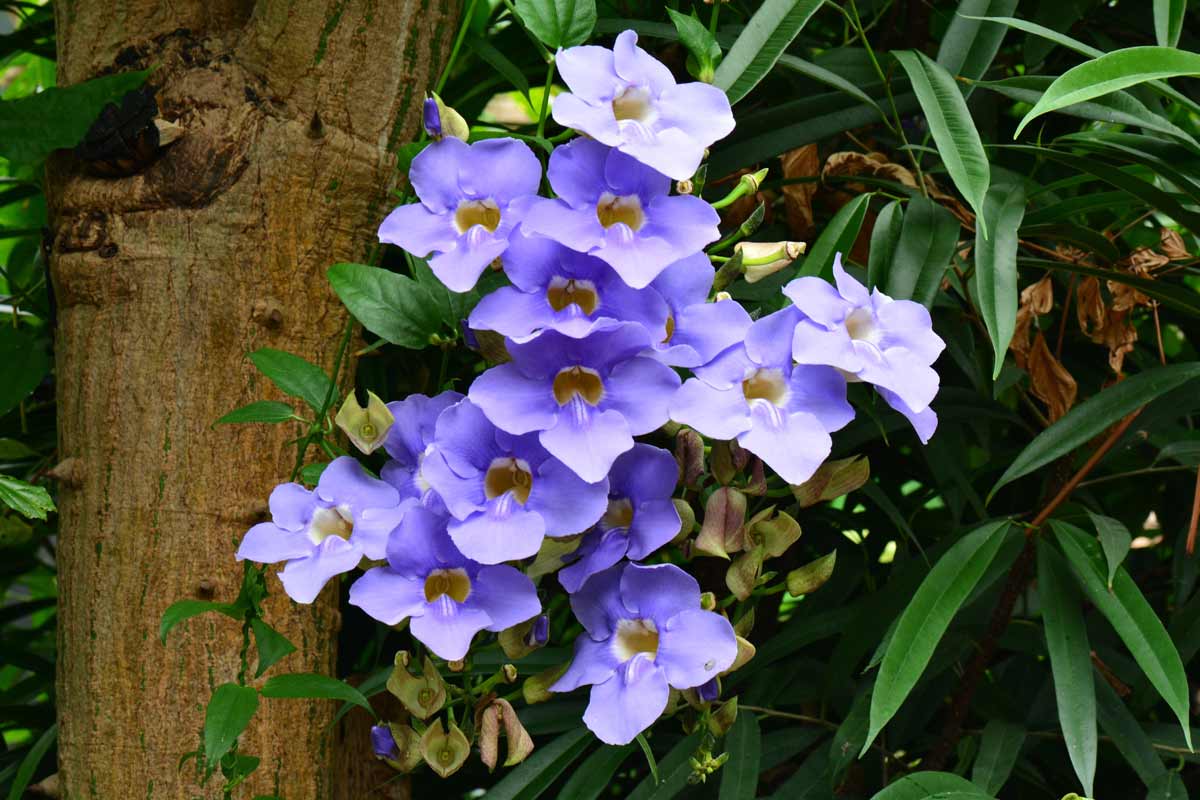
(432, 119)
(382, 741)
(640, 518)
(627, 99)
(556, 288)
(586, 398)
(644, 634)
(870, 337)
(697, 331)
(612, 207)
(472, 197)
(446, 597)
(781, 412)
(504, 491)
(326, 531)
(407, 441)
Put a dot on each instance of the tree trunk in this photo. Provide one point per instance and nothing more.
(164, 280)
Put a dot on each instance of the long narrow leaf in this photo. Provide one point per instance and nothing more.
(768, 33)
(739, 776)
(1168, 21)
(996, 267)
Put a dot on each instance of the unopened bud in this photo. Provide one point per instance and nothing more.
(708, 692)
(456, 666)
(761, 259)
(510, 673)
(366, 427)
(687, 519)
(441, 120)
(708, 601)
(719, 296)
(536, 688)
(539, 631)
(685, 187)
(752, 180)
(689, 455)
(383, 743)
(405, 751)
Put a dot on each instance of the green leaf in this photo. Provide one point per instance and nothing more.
(595, 774)
(674, 770)
(651, 764)
(314, 685)
(500, 62)
(1070, 661)
(996, 267)
(829, 78)
(26, 499)
(699, 42)
(24, 362)
(272, 645)
(13, 450)
(34, 126)
(885, 237)
(768, 33)
(844, 748)
(538, 772)
(1168, 21)
(392, 306)
(1169, 786)
(927, 242)
(258, 411)
(838, 237)
(558, 23)
(1127, 734)
(999, 747)
(1110, 72)
(927, 617)
(29, 763)
(950, 124)
(924, 785)
(970, 44)
(229, 712)
(294, 376)
(1131, 617)
(1114, 540)
(743, 743)
(1093, 416)
(180, 610)
(311, 473)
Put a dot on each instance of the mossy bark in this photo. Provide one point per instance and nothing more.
(164, 281)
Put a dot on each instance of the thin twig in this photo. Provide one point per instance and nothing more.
(1191, 536)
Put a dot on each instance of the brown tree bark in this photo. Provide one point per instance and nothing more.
(164, 280)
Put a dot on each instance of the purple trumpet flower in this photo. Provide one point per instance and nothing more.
(557, 288)
(645, 634)
(781, 412)
(640, 518)
(326, 531)
(620, 211)
(586, 398)
(408, 440)
(446, 597)
(627, 99)
(870, 337)
(472, 197)
(505, 492)
(697, 330)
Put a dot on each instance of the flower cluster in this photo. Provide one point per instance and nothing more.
(610, 298)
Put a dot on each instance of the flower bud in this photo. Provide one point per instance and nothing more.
(760, 259)
(539, 631)
(687, 519)
(383, 743)
(405, 746)
(366, 427)
(708, 692)
(441, 120)
(510, 673)
(832, 480)
(722, 463)
(456, 666)
(444, 751)
(422, 696)
(689, 454)
(723, 719)
(536, 688)
(724, 518)
(708, 601)
(432, 118)
(811, 576)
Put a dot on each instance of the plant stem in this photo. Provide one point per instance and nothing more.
(541, 126)
(458, 40)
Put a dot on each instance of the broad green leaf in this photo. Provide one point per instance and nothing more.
(29, 763)
(1110, 72)
(838, 237)
(1119, 724)
(1070, 661)
(927, 617)
(180, 610)
(885, 237)
(259, 411)
(1168, 21)
(923, 785)
(699, 42)
(1169, 786)
(33, 127)
(558, 23)
(999, 747)
(25, 498)
(996, 267)
(1114, 540)
(294, 376)
(394, 307)
(272, 645)
(313, 685)
(743, 743)
(229, 712)
(536, 774)
(969, 45)
(768, 33)
(595, 774)
(1093, 416)
(950, 123)
(927, 242)
(24, 362)
(1131, 617)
